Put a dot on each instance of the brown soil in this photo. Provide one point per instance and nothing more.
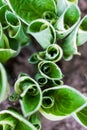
(75, 72)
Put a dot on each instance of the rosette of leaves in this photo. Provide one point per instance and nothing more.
(50, 70)
(56, 99)
(30, 95)
(43, 32)
(11, 120)
(4, 86)
(15, 29)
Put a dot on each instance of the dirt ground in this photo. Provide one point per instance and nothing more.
(75, 72)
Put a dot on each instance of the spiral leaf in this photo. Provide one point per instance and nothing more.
(62, 101)
(29, 92)
(42, 81)
(50, 70)
(54, 53)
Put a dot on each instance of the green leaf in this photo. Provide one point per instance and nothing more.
(3, 9)
(50, 70)
(81, 116)
(11, 120)
(29, 92)
(60, 102)
(68, 21)
(65, 3)
(54, 53)
(33, 59)
(42, 81)
(4, 87)
(5, 51)
(6, 54)
(43, 32)
(15, 28)
(69, 45)
(35, 120)
(82, 32)
(31, 9)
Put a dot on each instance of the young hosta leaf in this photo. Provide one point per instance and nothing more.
(64, 26)
(4, 87)
(43, 32)
(82, 32)
(15, 28)
(33, 59)
(65, 3)
(50, 70)
(35, 120)
(11, 120)
(30, 94)
(54, 53)
(76, 38)
(42, 81)
(54, 83)
(60, 102)
(81, 116)
(31, 10)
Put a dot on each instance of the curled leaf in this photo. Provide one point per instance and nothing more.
(54, 53)
(64, 26)
(65, 3)
(60, 102)
(29, 92)
(33, 59)
(43, 32)
(50, 70)
(41, 80)
(11, 120)
(35, 120)
(15, 28)
(69, 46)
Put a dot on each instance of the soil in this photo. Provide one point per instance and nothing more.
(75, 72)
